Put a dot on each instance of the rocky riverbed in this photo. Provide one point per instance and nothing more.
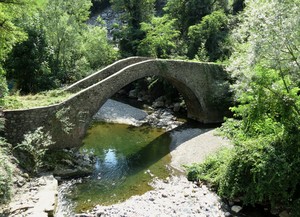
(189, 145)
(175, 196)
(171, 197)
(33, 197)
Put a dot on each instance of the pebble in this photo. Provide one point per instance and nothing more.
(176, 204)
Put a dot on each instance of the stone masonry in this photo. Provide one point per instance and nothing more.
(204, 87)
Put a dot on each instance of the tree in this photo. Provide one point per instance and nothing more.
(134, 13)
(190, 12)
(160, 38)
(10, 33)
(207, 40)
(264, 165)
(61, 47)
(69, 39)
(28, 63)
(63, 23)
(271, 41)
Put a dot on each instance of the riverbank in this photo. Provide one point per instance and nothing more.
(189, 145)
(174, 196)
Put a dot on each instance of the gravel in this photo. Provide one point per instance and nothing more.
(172, 197)
(116, 112)
(175, 196)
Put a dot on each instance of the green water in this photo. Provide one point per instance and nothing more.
(124, 154)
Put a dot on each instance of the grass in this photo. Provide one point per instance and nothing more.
(45, 98)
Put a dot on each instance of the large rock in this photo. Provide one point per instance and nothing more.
(117, 112)
(36, 198)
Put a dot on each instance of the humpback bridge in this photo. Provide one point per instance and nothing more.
(204, 87)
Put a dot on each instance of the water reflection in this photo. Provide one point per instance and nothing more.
(124, 154)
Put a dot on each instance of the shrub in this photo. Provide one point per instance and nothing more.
(5, 173)
(5, 169)
(211, 169)
(261, 170)
(264, 166)
(35, 145)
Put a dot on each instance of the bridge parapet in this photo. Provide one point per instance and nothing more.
(103, 73)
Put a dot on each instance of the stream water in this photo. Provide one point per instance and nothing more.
(127, 159)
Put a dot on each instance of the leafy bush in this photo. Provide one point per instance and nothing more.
(5, 169)
(258, 170)
(35, 145)
(264, 166)
(5, 173)
(211, 169)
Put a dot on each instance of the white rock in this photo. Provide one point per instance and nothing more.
(133, 94)
(236, 208)
(284, 214)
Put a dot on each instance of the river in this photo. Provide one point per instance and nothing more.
(129, 157)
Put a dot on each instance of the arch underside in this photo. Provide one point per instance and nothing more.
(190, 79)
(194, 108)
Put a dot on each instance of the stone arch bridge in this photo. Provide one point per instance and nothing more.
(204, 87)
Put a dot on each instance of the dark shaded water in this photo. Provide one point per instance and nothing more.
(127, 160)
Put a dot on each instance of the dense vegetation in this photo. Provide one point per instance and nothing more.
(48, 44)
(52, 45)
(264, 165)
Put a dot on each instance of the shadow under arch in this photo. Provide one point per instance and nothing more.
(194, 81)
(164, 69)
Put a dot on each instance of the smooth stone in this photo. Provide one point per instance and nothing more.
(236, 208)
(284, 214)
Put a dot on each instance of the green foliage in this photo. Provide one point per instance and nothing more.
(61, 47)
(264, 165)
(170, 35)
(5, 169)
(208, 40)
(5, 174)
(188, 13)
(134, 13)
(10, 33)
(212, 169)
(65, 121)
(160, 38)
(97, 51)
(28, 63)
(258, 170)
(72, 42)
(34, 147)
(3, 86)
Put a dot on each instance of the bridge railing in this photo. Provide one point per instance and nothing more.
(103, 73)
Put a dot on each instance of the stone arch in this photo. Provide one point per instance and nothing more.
(140, 70)
(193, 105)
(204, 86)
